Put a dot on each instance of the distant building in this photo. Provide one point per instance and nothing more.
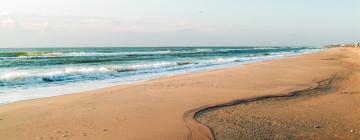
(357, 45)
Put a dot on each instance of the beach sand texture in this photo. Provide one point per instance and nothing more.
(331, 110)
(163, 109)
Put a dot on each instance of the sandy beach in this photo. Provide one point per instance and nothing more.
(227, 104)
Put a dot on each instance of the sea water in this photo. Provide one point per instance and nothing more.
(43, 72)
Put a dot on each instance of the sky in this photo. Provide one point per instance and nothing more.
(132, 23)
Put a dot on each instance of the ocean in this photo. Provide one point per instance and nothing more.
(43, 72)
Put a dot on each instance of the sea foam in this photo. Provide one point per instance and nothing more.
(25, 73)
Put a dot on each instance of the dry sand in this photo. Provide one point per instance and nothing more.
(329, 110)
(164, 108)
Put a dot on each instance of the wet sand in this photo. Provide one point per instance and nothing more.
(165, 108)
(329, 110)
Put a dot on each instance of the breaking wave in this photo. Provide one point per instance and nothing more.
(22, 69)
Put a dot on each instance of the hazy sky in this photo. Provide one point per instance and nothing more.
(109, 23)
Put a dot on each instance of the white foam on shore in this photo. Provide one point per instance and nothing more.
(14, 95)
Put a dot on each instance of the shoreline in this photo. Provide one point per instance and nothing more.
(61, 90)
(156, 108)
